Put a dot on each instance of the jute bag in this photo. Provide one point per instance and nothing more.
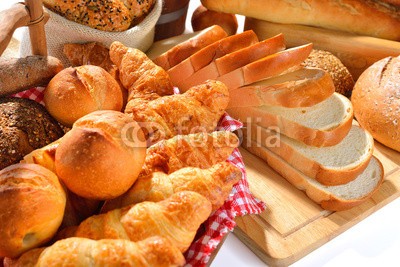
(60, 30)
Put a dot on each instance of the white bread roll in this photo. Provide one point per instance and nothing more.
(376, 101)
(102, 155)
(32, 203)
(371, 18)
(75, 92)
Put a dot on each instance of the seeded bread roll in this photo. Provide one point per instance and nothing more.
(342, 79)
(24, 126)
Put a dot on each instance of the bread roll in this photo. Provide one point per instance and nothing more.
(376, 101)
(203, 18)
(75, 92)
(102, 155)
(371, 18)
(32, 203)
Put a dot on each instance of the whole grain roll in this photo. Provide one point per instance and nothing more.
(340, 75)
(25, 125)
(75, 92)
(32, 203)
(102, 155)
(376, 101)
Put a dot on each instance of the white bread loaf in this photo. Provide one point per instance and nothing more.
(363, 17)
(376, 101)
(301, 88)
(323, 124)
(333, 165)
(335, 198)
(227, 63)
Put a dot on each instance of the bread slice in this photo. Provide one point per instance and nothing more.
(183, 50)
(323, 124)
(267, 67)
(206, 55)
(333, 165)
(301, 88)
(229, 62)
(335, 198)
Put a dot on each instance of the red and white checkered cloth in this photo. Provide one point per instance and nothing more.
(240, 202)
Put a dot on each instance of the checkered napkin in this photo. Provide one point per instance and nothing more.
(240, 202)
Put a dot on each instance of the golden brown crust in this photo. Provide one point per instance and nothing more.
(25, 221)
(86, 169)
(376, 103)
(364, 17)
(75, 92)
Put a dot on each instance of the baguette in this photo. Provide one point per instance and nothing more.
(267, 67)
(334, 198)
(302, 88)
(324, 124)
(371, 18)
(205, 56)
(31, 71)
(231, 61)
(183, 50)
(334, 165)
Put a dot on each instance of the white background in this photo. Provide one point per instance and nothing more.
(373, 242)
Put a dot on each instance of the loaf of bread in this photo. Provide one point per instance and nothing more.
(203, 18)
(111, 15)
(31, 71)
(32, 203)
(25, 125)
(102, 155)
(75, 92)
(376, 101)
(371, 18)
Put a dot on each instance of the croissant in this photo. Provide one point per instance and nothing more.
(176, 218)
(75, 251)
(197, 110)
(214, 183)
(139, 74)
(200, 150)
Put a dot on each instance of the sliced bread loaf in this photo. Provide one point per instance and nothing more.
(333, 165)
(323, 124)
(301, 88)
(335, 198)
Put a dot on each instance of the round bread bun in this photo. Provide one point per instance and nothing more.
(376, 101)
(75, 92)
(203, 18)
(102, 155)
(32, 203)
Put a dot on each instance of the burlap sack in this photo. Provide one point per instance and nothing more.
(60, 31)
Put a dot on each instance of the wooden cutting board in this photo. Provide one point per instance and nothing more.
(292, 226)
(356, 52)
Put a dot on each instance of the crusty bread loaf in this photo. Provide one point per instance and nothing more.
(362, 17)
(102, 155)
(32, 203)
(340, 75)
(333, 165)
(75, 92)
(335, 198)
(323, 124)
(376, 101)
(31, 71)
(301, 88)
(203, 18)
(113, 15)
(186, 48)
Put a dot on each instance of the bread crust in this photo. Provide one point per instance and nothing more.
(376, 102)
(363, 17)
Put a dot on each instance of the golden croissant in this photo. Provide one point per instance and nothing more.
(214, 183)
(155, 251)
(176, 218)
(200, 150)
